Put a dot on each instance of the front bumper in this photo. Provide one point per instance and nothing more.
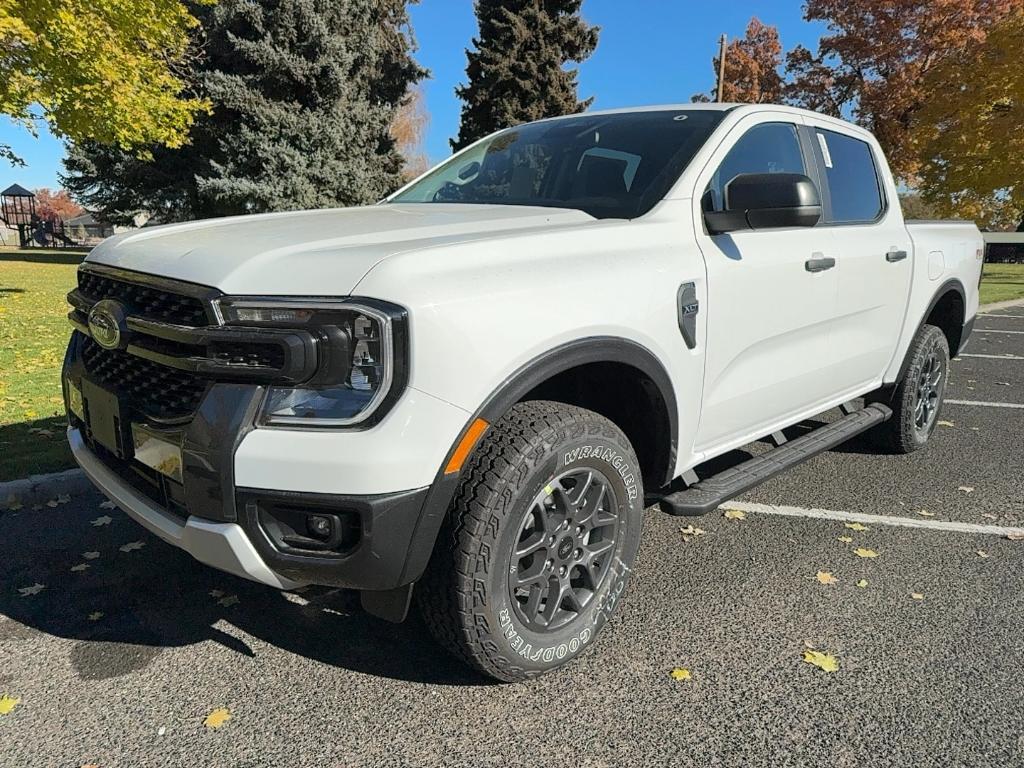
(247, 510)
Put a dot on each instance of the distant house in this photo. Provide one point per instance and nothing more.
(85, 229)
(1004, 247)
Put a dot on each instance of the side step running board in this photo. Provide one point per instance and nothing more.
(706, 495)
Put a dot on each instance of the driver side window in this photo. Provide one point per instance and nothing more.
(765, 148)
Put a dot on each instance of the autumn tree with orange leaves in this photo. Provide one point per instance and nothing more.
(876, 61)
(56, 205)
(751, 67)
(408, 128)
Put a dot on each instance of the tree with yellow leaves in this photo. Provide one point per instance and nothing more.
(103, 70)
(970, 136)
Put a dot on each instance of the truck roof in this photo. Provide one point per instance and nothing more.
(718, 107)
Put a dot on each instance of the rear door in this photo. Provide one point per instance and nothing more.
(769, 316)
(875, 253)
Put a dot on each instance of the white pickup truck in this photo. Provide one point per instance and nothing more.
(465, 396)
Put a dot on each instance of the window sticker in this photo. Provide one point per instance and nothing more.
(824, 150)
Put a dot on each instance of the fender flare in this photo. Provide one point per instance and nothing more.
(594, 349)
(951, 284)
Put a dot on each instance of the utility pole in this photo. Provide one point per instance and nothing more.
(721, 68)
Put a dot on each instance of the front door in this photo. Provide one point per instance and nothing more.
(771, 298)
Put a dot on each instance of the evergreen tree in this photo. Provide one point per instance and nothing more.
(517, 72)
(303, 94)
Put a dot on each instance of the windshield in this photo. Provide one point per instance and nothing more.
(611, 166)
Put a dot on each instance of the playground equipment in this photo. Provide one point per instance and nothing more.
(18, 211)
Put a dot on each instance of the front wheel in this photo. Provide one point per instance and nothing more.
(539, 543)
(917, 399)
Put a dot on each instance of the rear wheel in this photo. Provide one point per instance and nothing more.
(539, 543)
(918, 396)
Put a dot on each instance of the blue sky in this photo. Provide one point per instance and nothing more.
(650, 52)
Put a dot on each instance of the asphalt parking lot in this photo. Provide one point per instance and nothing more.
(119, 662)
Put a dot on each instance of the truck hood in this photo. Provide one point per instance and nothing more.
(319, 253)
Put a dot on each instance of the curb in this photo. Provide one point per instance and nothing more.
(1001, 305)
(38, 489)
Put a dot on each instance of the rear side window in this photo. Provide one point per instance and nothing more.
(852, 178)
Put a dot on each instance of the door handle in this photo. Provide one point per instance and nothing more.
(895, 255)
(819, 264)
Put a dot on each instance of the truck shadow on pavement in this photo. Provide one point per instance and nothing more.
(127, 597)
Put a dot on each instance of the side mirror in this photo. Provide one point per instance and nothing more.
(766, 201)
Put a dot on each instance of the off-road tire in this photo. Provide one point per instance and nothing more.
(467, 597)
(903, 433)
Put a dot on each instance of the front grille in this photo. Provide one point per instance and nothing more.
(144, 300)
(156, 390)
(172, 346)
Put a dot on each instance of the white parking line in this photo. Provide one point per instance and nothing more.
(986, 330)
(986, 405)
(859, 517)
(993, 314)
(994, 357)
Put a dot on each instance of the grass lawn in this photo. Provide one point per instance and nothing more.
(33, 334)
(1002, 282)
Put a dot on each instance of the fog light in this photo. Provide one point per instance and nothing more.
(321, 527)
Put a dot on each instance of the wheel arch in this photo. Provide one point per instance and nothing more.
(554, 374)
(946, 310)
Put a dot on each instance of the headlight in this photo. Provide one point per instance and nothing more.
(360, 352)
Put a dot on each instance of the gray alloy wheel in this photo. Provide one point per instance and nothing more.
(931, 383)
(564, 548)
(539, 543)
(916, 400)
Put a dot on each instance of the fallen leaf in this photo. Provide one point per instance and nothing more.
(989, 516)
(102, 521)
(80, 567)
(228, 601)
(865, 552)
(680, 674)
(944, 423)
(976, 429)
(689, 532)
(824, 661)
(1015, 536)
(966, 488)
(107, 505)
(95, 616)
(862, 583)
(131, 546)
(216, 593)
(982, 553)
(63, 498)
(925, 513)
(856, 527)
(161, 731)
(52, 503)
(917, 596)
(825, 577)
(845, 539)
(217, 718)
(90, 555)
(35, 589)
(735, 514)
(7, 704)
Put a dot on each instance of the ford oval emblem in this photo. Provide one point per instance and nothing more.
(107, 324)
